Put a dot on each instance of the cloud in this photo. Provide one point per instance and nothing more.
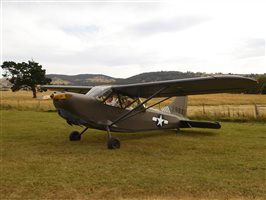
(251, 48)
(81, 29)
(168, 25)
(122, 39)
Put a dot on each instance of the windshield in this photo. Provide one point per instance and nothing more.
(99, 91)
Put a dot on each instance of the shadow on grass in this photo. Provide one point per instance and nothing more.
(142, 135)
(98, 139)
(163, 133)
(93, 137)
(199, 133)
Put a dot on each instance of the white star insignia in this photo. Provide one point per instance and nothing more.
(159, 121)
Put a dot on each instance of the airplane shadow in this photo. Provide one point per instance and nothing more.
(199, 133)
(163, 133)
(99, 139)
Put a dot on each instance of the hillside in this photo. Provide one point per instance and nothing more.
(81, 79)
(99, 79)
(159, 76)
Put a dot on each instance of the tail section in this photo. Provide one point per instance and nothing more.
(178, 106)
(199, 124)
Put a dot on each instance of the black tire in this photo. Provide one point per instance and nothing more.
(74, 136)
(113, 143)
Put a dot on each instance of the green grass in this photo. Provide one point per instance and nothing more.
(39, 162)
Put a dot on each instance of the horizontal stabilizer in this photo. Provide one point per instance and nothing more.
(199, 124)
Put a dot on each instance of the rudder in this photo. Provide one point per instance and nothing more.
(178, 106)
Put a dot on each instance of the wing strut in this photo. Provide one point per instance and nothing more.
(146, 108)
(128, 113)
(158, 102)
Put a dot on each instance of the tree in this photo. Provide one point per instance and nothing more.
(262, 83)
(25, 75)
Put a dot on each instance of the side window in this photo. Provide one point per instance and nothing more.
(128, 102)
(118, 100)
(112, 100)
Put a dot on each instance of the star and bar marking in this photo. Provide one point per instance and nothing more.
(160, 122)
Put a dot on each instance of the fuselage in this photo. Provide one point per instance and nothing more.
(88, 111)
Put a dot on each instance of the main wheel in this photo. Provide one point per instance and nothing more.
(113, 143)
(74, 136)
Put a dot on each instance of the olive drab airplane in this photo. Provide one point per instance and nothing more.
(124, 108)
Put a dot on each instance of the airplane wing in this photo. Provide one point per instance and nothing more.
(68, 88)
(178, 87)
(190, 86)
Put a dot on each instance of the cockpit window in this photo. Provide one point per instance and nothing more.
(121, 101)
(112, 100)
(107, 96)
(128, 102)
(99, 91)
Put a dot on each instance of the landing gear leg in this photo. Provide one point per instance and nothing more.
(76, 136)
(112, 143)
(84, 131)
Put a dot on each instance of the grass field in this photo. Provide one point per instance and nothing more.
(39, 162)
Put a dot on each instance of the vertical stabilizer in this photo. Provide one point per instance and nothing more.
(178, 106)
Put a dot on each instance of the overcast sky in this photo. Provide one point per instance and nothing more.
(122, 39)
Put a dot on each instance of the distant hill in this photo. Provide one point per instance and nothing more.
(159, 76)
(99, 79)
(81, 79)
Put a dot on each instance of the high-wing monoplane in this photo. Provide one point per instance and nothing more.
(127, 108)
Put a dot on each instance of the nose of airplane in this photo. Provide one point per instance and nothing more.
(61, 96)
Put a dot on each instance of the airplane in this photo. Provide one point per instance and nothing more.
(123, 108)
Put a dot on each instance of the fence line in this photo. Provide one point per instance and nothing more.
(254, 111)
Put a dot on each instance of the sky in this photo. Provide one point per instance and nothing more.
(125, 38)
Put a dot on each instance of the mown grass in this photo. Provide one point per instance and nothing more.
(39, 162)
